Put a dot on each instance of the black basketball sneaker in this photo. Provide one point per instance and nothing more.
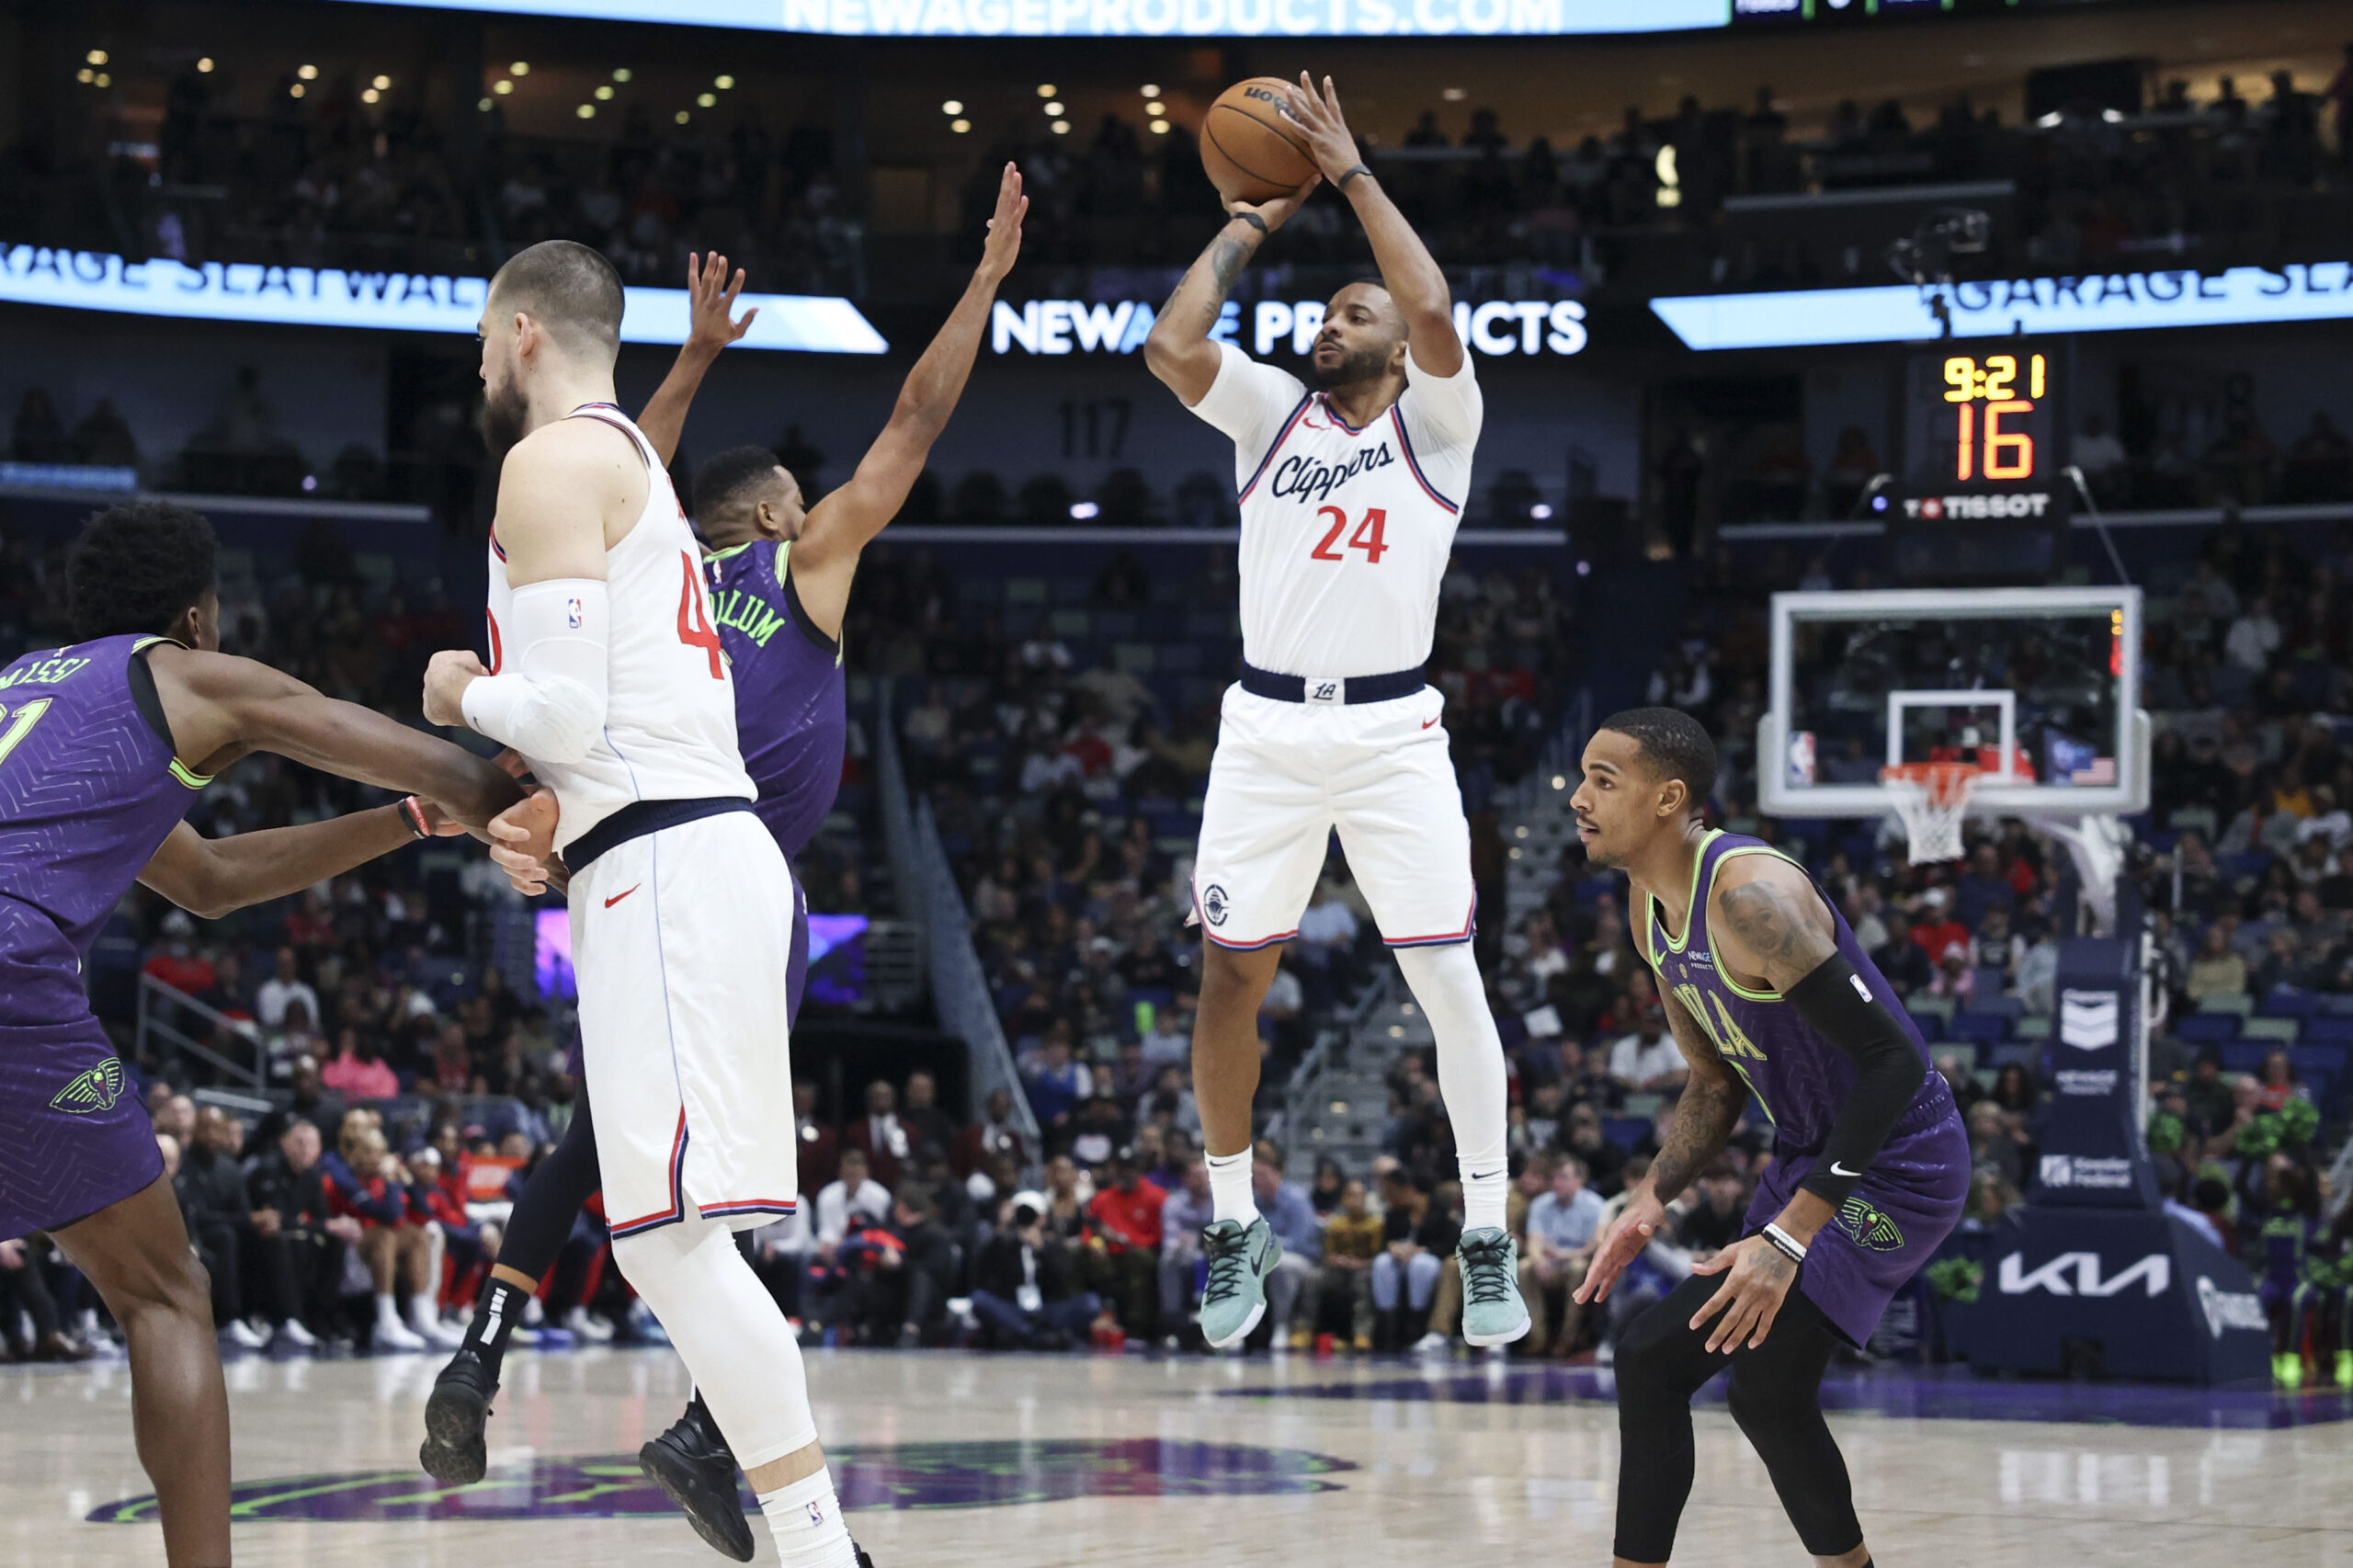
(453, 1452)
(693, 1463)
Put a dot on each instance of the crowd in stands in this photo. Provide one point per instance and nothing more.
(332, 173)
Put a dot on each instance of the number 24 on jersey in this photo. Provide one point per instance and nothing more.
(1367, 537)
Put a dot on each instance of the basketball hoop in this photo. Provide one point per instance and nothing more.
(1932, 798)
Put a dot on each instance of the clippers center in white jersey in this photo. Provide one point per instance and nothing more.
(1345, 531)
(670, 702)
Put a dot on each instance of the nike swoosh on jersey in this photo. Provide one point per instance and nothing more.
(619, 896)
(1427, 722)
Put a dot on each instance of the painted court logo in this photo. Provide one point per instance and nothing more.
(1870, 1228)
(905, 1475)
(95, 1090)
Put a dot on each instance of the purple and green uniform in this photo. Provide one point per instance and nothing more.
(89, 789)
(1909, 1198)
(791, 707)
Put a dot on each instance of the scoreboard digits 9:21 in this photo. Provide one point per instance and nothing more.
(1985, 443)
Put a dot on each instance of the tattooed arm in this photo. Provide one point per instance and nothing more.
(1180, 349)
(1705, 1115)
(1773, 924)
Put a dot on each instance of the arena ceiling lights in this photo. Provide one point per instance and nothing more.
(2121, 301)
(1138, 18)
(395, 302)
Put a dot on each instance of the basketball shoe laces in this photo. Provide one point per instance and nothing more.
(1485, 1280)
(1229, 1259)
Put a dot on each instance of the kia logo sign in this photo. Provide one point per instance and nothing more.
(1497, 328)
(2078, 1274)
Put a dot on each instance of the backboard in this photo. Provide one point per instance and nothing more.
(2039, 687)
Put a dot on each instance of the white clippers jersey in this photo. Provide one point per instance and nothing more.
(670, 701)
(1345, 533)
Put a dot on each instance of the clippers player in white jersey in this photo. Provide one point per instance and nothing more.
(1350, 492)
(606, 675)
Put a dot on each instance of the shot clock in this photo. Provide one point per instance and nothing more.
(1984, 491)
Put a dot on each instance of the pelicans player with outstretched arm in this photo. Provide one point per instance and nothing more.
(1350, 492)
(609, 679)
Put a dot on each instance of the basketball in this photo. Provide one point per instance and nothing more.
(1251, 145)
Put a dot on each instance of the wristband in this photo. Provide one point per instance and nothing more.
(1784, 1243)
(1254, 221)
(413, 817)
(1342, 183)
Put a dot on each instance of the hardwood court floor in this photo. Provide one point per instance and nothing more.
(1091, 1462)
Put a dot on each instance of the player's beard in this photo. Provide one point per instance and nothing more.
(505, 418)
(1351, 370)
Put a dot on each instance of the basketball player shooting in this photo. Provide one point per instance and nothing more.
(1350, 492)
(1770, 996)
(609, 680)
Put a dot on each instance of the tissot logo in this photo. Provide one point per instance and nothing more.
(1976, 508)
(2078, 1274)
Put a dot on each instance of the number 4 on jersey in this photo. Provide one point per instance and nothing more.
(1366, 538)
(694, 623)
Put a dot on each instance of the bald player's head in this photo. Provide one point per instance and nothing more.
(554, 311)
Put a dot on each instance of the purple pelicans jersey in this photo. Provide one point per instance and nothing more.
(89, 789)
(791, 707)
(1910, 1199)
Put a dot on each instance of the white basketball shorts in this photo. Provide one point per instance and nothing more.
(682, 940)
(1286, 774)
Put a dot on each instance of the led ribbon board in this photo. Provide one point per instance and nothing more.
(397, 301)
(1138, 18)
(2121, 302)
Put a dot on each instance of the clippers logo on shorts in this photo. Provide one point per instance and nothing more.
(1327, 692)
(1869, 1229)
(1215, 905)
(95, 1090)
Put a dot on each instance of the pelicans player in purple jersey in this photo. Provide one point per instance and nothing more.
(779, 576)
(1771, 998)
(103, 745)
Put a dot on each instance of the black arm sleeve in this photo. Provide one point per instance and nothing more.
(1889, 1072)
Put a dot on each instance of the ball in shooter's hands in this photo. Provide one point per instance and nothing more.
(1251, 144)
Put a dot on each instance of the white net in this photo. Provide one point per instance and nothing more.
(1931, 802)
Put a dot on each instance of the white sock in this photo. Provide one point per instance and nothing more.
(1471, 1073)
(805, 1518)
(387, 1310)
(1230, 1192)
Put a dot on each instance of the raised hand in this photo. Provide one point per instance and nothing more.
(1328, 137)
(1003, 244)
(1277, 213)
(711, 302)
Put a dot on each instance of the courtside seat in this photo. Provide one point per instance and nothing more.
(2282, 1031)
(2286, 1002)
(2031, 1027)
(1927, 1010)
(2244, 1056)
(2208, 1028)
(1985, 1029)
(2329, 1031)
(2240, 1005)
